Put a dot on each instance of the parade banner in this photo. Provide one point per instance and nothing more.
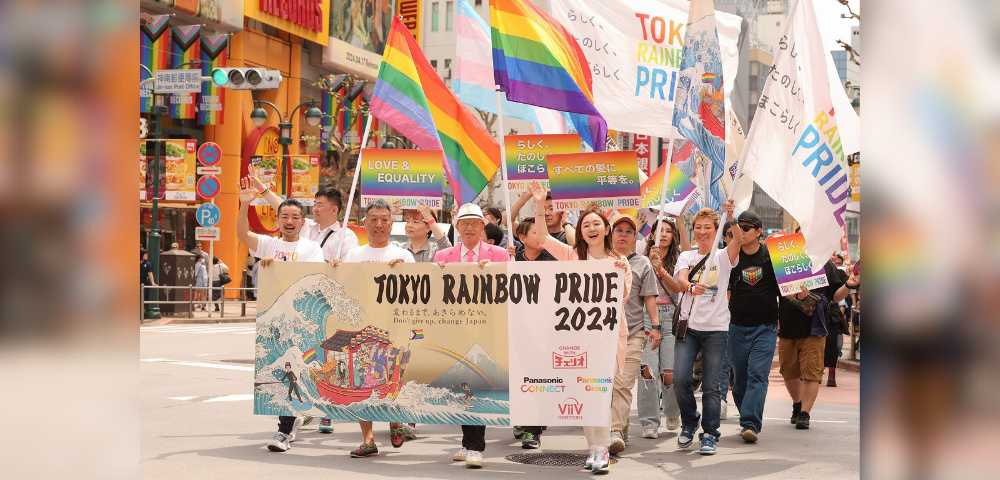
(418, 343)
(402, 177)
(526, 160)
(792, 267)
(562, 361)
(633, 48)
(605, 179)
(794, 150)
(856, 182)
(305, 178)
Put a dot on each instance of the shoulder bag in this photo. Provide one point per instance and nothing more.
(678, 327)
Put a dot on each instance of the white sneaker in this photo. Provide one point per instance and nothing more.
(589, 464)
(673, 423)
(409, 432)
(295, 428)
(602, 461)
(474, 459)
(461, 455)
(650, 432)
(278, 443)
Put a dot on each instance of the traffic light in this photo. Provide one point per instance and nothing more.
(246, 78)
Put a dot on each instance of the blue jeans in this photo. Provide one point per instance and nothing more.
(751, 350)
(652, 393)
(712, 346)
(724, 376)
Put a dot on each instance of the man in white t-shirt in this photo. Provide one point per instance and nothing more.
(378, 224)
(324, 228)
(290, 247)
(707, 331)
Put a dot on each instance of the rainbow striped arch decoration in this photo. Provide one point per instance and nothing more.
(536, 61)
(462, 360)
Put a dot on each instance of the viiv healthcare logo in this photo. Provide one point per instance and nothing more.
(570, 409)
(569, 357)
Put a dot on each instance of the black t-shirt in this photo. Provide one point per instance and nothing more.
(792, 323)
(753, 290)
(145, 268)
(543, 256)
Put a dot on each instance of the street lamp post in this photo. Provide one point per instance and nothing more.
(259, 117)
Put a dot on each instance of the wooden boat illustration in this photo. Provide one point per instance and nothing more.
(358, 364)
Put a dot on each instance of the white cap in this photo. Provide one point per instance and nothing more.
(470, 210)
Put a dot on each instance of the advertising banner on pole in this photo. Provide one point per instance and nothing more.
(418, 343)
(305, 178)
(605, 179)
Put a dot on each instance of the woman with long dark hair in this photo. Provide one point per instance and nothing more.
(656, 372)
(593, 242)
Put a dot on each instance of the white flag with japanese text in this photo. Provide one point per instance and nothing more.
(794, 152)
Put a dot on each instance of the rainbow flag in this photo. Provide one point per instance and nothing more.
(708, 77)
(411, 97)
(184, 48)
(417, 334)
(154, 53)
(536, 61)
(309, 356)
(212, 102)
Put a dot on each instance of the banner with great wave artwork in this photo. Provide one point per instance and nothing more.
(418, 343)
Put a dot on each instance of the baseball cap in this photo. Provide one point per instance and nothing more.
(626, 218)
(751, 218)
(173, 245)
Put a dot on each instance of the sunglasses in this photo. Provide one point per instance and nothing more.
(746, 228)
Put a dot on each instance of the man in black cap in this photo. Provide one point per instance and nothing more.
(753, 318)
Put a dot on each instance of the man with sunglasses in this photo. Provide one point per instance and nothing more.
(753, 318)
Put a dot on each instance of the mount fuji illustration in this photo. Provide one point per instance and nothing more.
(463, 372)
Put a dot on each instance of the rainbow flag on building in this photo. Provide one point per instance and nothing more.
(154, 53)
(411, 97)
(309, 356)
(536, 61)
(184, 48)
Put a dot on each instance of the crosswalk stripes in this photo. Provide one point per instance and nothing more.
(201, 329)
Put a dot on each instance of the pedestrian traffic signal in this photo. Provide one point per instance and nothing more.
(246, 78)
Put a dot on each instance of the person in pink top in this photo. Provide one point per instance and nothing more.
(469, 222)
(593, 242)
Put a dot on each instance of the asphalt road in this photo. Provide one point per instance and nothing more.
(197, 422)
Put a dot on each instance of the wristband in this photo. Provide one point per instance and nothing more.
(264, 191)
(656, 327)
(539, 213)
(431, 222)
(691, 289)
(566, 223)
(661, 273)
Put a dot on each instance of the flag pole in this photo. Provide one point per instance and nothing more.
(354, 183)
(663, 188)
(503, 169)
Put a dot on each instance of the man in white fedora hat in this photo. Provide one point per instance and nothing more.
(469, 222)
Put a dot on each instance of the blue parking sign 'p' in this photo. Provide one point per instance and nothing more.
(207, 215)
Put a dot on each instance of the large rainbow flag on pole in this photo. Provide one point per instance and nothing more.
(410, 97)
(536, 61)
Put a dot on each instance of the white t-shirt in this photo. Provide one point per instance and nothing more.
(303, 250)
(713, 308)
(331, 248)
(367, 254)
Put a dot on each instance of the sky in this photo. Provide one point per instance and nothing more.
(835, 28)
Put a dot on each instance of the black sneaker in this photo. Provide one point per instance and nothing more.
(803, 422)
(518, 433)
(529, 440)
(796, 410)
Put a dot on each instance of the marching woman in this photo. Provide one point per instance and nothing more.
(593, 242)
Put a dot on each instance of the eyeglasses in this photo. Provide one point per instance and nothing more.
(624, 231)
(746, 228)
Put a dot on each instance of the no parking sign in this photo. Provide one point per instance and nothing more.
(208, 186)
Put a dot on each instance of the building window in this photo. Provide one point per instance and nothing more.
(447, 63)
(449, 18)
(479, 2)
(434, 64)
(434, 17)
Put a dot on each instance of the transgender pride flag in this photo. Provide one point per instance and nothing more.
(474, 83)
